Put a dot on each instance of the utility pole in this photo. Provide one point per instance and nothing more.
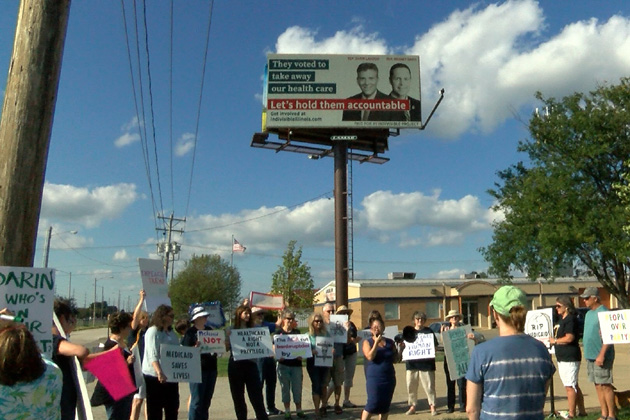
(169, 249)
(27, 117)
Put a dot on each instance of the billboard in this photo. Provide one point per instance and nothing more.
(348, 91)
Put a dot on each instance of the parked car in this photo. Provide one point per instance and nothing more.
(436, 327)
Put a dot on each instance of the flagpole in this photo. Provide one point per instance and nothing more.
(232, 253)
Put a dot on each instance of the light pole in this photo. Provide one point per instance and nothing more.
(47, 243)
(94, 304)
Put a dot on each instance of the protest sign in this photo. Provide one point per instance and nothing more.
(292, 346)
(216, 317)
(391, 331)
(337, 328)
(364, 335)
(266, 301)
(180, 364)
(324, 351)
(251, 343)
(110, 367)
(211, 341)
(422, 348)
(539, 324)
(614, 326)
(457, 350)
(29, 293)
(154, 283)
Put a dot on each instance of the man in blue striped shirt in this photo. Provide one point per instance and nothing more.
(512, 371)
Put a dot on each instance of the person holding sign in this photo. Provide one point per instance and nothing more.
(244, 373)
(162, 396)
(568, 353)
(454, 318)
(318, 374)
(421, 370)
(290, 371)
(508, 376)
(380, 377)
(201, 393)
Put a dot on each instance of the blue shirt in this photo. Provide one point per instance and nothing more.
(592, 338)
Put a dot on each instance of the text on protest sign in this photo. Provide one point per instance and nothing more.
(457, 350)
(29, 293)
(292, 346)
(180, 364)
(154, 283)
(539, 324)
(422, 348)
(614, 326)
(324, 347)
(211, 341)
(337, 328)
(251, 343)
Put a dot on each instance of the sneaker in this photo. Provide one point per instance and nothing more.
(338, 409)
(450, 410)
(301, 414)
(349, 404)
(273, 412)
(434, 412)
(287, 415)
(412, 410)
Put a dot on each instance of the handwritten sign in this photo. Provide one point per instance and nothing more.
(180, 364)
(324, 351)
(211, 341)
(457, 350)
(337, 328)
(29, 293)
(422, 348)
(266, 300)
(154, 283)
(539, 324)
(251, 343)
(615, 326)
(216, 317)
(292, 346)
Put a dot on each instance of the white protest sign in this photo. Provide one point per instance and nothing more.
(539, 324)
(180, 364)
(324, 351)
(211, 341)
(29, 293)
(364, 335)
(216, 317)
(266, 300)
(457, 350)
(292, 346)
(251, 343)
(154, 283)
(391, 331)
(422, 348)
(614, 326)
(337, 328)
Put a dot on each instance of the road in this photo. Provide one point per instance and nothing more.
(223, 409)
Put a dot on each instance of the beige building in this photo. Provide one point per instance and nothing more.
(398, 299)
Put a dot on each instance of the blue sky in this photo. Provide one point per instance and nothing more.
(426, 210)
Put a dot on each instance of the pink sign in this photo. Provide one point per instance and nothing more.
(111, 370)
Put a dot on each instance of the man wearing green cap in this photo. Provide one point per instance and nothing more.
(512, 371)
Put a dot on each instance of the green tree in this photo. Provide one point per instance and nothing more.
(293, 279)
(564, 206)
(205, 278)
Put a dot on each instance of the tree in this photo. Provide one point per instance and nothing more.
(564, 206)
(205, 278)
(293, 279)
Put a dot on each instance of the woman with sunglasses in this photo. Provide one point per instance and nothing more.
(318, 374)
(290, 370)
(568, 354)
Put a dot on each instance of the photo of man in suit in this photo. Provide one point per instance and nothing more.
(367, 79)
(400, 79)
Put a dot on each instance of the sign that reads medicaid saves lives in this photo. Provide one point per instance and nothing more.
(331, 91)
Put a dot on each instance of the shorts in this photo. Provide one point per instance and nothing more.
(336, 372)
(349, 363)
(600, 375)
(142, 392)
(568, 372)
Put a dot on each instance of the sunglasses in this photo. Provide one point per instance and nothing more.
(317, 320)
(558, 306)
(289, 319)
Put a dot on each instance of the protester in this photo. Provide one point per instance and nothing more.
(454, 318)
(337, 371)
(244, 373)
(349, 356)
(201, 393)
(508, 376)
(63, 354)
(139, 325)
(267, 365)
(162, 396)
(380, 379)
(568, 354)
(319, 374)
(30, 385)
(290, 371)
(421, 370)
(599, 356)
(120, 325)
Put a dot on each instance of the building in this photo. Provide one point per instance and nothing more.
(399, 296)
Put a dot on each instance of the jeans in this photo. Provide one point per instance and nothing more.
(120, 410)
(267, 370)
(290, 378)
(244, 374)
(161, 397)
(450, 391)
(201, 395)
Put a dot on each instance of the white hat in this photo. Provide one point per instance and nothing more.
(257, 310)
(451, 314)
(197, 312)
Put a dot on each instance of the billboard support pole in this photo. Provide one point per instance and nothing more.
(340, 150)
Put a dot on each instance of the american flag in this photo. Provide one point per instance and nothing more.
(237, 247)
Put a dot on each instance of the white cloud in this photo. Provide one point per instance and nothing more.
(302, 40)
(132, 124)
(84, 206)
(450, 274)
(126, 139)
(184, 144)
(121, 255)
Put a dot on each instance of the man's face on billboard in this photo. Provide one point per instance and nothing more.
(368, 80)
(401, 82)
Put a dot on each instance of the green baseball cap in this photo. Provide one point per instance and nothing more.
(506, 298)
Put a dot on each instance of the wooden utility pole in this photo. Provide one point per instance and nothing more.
(27, 117)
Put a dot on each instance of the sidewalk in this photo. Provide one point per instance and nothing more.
(223, 409)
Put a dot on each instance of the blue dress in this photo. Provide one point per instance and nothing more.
(380, 378)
